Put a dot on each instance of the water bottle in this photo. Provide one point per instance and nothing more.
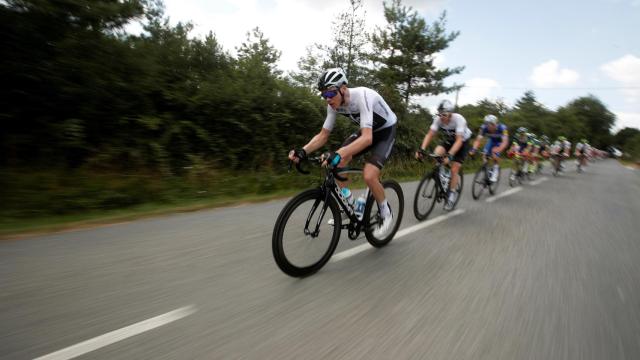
(445, 175)
(359, 206)
(346, 193)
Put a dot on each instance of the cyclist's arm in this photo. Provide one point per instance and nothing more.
(476, 142)
(317, 141)
(503, 143)
(427, 139)
(362, 142)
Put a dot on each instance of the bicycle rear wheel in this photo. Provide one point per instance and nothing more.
(395, 198)
(298, 252)
(479, 183)
(425, 198)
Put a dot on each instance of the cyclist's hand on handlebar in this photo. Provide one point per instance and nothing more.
(420, 154)
(332, 160)
(297, 155)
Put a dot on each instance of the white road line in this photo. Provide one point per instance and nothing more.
(506, 193)
(120, 334)
(542, 179)
(360, 248)
(427, 223)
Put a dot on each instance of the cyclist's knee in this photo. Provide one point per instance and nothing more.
(371, 174)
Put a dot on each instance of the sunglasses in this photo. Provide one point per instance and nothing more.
(329, 94)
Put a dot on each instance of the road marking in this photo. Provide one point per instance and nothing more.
(120, 334)
(621, 294)
(542, 179)
(428, 223)
(360, 248)
(506, 193)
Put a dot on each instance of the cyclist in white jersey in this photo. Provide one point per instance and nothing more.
(453, 128)
(377, 134)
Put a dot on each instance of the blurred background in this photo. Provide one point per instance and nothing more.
(109, 109)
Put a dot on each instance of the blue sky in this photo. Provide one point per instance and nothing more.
(559, 49)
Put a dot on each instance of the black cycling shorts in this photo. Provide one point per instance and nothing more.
(462, 152)
(380, 148)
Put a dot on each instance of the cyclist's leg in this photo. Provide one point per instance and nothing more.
(381, 147)
(456, 164)
(347, 159)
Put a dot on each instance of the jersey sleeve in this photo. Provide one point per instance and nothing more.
(461, 125)
(366, 111)
(330, 121)
(435, 124)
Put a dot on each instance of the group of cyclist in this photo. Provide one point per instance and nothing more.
(377, 131)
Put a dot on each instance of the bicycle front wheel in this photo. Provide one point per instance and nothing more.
(459, 187)
(425, 198)
(395, 198)
(479, 183)
(303, 240)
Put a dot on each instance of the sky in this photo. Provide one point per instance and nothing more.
(561, 49)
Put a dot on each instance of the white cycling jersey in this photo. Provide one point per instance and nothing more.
(560, 146)
(457, 126)
(366, 108)
(583, 148)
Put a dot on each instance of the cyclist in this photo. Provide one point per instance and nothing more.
(581, 152)
(377, 133)
(560, 150)
(544, 150)
(498, 139)
(534, 156)
(520, 147)
(455, 143)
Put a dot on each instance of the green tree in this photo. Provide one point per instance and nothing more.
(404, 54)
(594, 120)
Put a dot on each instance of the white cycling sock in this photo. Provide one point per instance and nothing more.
(384, 208)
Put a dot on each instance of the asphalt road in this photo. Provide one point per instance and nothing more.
(549, 271)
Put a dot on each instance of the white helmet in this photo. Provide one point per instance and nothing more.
(445, 106)
(490, 119)
(332, 77)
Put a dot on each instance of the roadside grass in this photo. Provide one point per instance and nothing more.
(39, 202)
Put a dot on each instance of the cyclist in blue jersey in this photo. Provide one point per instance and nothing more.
(376, 134)
(497, 140)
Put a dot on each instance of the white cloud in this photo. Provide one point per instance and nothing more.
(549, 74)
(626, 71)
(626, 119)
(290, 25)
(477, 89)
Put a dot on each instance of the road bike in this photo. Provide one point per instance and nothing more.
(482, 179)
(556, 163)
(434, 188)
(519, 171)
(303, 240)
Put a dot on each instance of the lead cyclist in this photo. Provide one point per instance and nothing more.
(376, 134)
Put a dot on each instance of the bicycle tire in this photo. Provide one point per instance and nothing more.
(479, 183)
(284, 262)
(423, 195)
(397, 214)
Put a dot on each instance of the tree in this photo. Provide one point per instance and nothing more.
(405, 52)
(347, 50)
(594, 119)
